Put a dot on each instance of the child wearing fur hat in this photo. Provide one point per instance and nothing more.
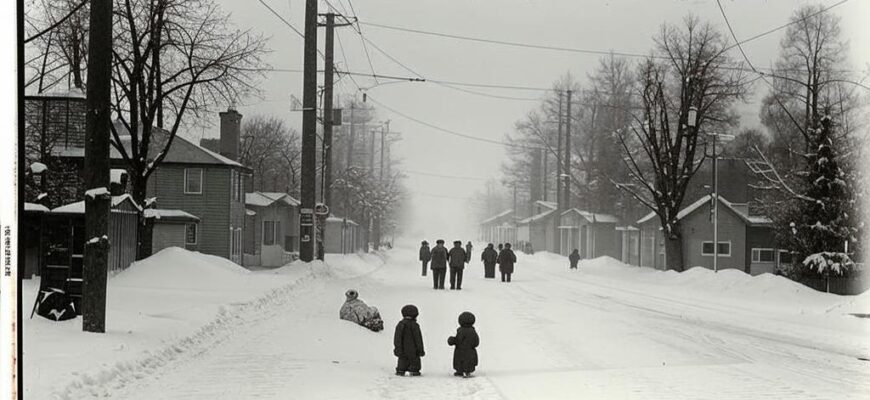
(465, 346)
(408, 342)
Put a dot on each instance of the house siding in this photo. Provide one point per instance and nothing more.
(760, 237)
(168, 235)
(697, 228)
(212, 206)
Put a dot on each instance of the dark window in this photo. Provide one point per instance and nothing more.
(268, 233)
(190, 234)
(763, 255)
(724, 249)
(785, 257)
(193, 180)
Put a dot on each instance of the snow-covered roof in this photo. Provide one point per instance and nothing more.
(547, 204)
(496, 217)
(79, 206)
(35, 207)
(265, 199)
(537, 217)
(74, 93)
(333, 218)
(751, 220)
(593, 217)
(116, 174)
(170, 215)
(250, 212)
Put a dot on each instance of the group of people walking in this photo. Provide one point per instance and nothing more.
(440, 257)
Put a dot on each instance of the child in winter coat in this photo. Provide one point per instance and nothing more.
(465, 342)
(574, 258)
(408, 342)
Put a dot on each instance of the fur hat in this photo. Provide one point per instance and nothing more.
(351, 294)
(424, 243)
(410, 310)
(466, 319)
(439, 241)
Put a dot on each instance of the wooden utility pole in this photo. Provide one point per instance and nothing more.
(309, 135)
(98, 199)
(566, 190)
(558, 218)
(328, 67)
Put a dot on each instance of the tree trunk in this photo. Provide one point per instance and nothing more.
(674, 250)
(145, 228)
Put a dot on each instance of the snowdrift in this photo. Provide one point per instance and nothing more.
(176, 268)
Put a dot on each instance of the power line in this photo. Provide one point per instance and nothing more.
(448, 131)
(280, 17)
(765, 33)
(470, 178)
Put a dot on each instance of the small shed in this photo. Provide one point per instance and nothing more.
(593, 234)
(499, 228)
(271, 229)
(172, 228)
(343, 236)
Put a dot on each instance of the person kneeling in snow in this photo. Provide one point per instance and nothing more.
(356, 311)
(408, 342)
(465, 342)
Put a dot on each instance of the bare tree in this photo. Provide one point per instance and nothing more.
(56, 43)
(173, 60)
(671, 148)
(264, 142)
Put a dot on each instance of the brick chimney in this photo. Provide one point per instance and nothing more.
(231, 132)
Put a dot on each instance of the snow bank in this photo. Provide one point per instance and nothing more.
(177, 268)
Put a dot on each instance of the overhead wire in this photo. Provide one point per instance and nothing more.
(470, 178)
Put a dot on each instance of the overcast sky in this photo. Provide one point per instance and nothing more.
(618, 25)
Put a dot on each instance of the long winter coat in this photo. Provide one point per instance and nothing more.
(506, 260)
(439, 257)
(457, 257)
(408, 341)
(357, 311)
(465, 342)
(425, 254)
(574, 257)
(468, 252)
(489, 255)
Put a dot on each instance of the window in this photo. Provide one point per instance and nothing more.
(190, 234)
(268, 233)
(193, 180)
(236, 241)
(784, 257)
(236, 188)
(724, 249)
(762, 255)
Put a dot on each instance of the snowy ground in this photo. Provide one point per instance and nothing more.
(187, 326)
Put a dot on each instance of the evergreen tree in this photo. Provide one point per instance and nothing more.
(820, 225)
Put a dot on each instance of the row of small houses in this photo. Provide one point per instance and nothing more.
(200, 201)
(746, 242)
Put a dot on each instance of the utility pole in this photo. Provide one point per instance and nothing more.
(566, 191)
(557, 237)
(309, 135)
(328, 82)
(98, 199)
(348, 166)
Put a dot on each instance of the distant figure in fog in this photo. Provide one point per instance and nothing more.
(408, 342)
(439, 264)
(457, 259)
(465, 346)
(489, 256)
(506, 261)
(356, 311)
(468, 252)
(425, 255)
(574, 258)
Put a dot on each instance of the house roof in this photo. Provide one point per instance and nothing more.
(497, 217)
(35, 207)
(182, 150)
(536, 217)
(547, 204)
(266, 199)
(332, 218)
(79, 206)
(170, 215)
(593, 217)
(749, 220)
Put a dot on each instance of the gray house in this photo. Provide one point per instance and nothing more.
(272, 229)
(593, 234)
(746, 242)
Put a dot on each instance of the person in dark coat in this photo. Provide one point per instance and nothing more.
(489, 257)
(500, 247)
(574, 258)
(439, 264)
(468, 248)
(457, 265)
(506, 261)
(408, 342)
(465, 346)
(425, 255)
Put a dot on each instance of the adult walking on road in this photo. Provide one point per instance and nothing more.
(425, 255)
(489, 256)
(506, 260)
(468, 252)
(574, 258)
(438, 264)
(457, 264)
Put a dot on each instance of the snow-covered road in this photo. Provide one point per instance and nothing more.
(552, 333)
